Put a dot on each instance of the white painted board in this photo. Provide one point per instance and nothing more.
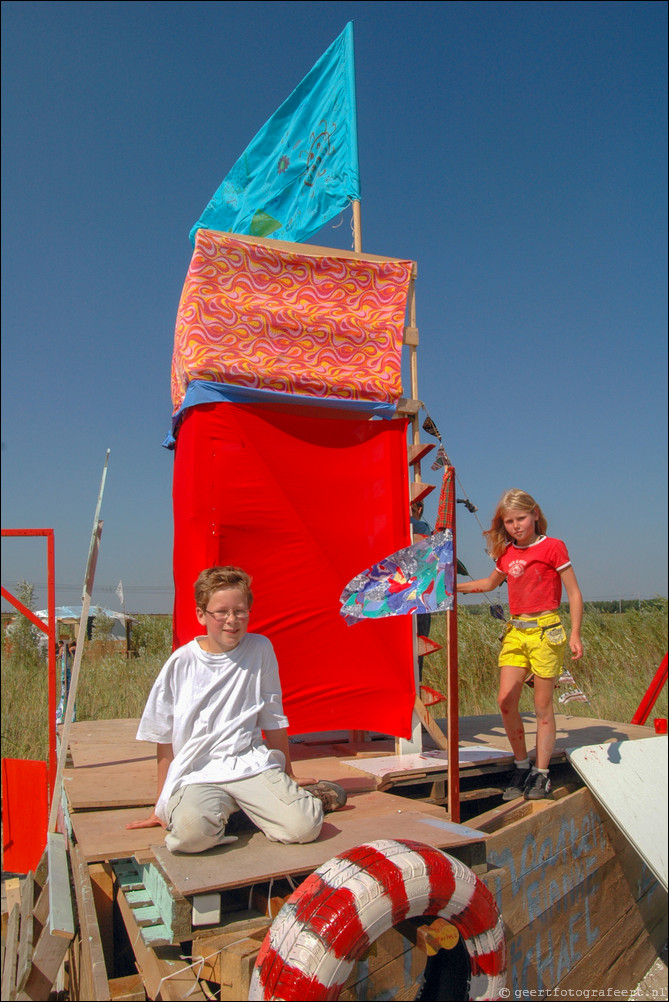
(428, 761)
(629, 778)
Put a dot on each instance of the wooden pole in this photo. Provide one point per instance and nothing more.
(357, 227)
(89, 578)
(417, 475)
(357, 735)
(453, 711)
(413, 367)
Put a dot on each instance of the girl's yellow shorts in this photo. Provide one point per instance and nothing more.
(538, 649)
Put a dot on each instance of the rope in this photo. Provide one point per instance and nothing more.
(199, 962)
(446, 516)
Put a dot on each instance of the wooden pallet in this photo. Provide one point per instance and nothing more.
(40, 927)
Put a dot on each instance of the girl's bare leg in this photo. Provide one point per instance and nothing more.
(543, 707)
(510, 687)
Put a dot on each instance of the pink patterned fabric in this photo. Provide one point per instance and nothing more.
(262, 316)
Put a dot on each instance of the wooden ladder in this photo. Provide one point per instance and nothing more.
(40, 927)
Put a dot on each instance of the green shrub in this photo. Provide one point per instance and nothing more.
(152, 636)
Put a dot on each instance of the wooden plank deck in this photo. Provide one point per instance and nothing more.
(102, 835)
(113, 779)
(254, 859)
(572, 892)
(112, 770)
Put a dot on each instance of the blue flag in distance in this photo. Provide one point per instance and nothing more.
(301, 168)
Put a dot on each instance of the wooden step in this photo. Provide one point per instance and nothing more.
(418, 452)
(430, 697)
(418, 491)
(427, 646)
(407, 407)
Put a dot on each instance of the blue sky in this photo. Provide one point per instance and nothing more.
(516, 151)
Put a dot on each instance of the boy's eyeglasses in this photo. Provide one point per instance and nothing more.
(220, 617)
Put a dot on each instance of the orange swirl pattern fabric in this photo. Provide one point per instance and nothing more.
(262, 316)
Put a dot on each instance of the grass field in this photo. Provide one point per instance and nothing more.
(622, 653)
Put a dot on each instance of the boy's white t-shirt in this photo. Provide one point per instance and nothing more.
(211, 708)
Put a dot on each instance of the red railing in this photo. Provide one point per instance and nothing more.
(49, 628)
(652, 692)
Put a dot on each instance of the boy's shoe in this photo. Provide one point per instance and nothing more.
(517, 784)
(538, 786)
(331, 795)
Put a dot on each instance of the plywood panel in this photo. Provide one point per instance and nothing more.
(102, 834)
(124, 784)
(85, 754)
(545, 856)
(621, 958)
(427, 762)
(92, 961)
(105, 731)
(581, 933)
(629, 778)
(571, 731)
(132, 783)
(253, 859)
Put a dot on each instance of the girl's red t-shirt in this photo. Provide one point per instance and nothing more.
(532, 574)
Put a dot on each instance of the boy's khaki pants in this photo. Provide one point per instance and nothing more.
(198, 812)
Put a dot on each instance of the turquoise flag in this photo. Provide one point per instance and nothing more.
(301, 169)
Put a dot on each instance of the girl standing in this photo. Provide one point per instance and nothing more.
(536, 567)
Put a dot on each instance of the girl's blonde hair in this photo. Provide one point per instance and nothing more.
(497, 537)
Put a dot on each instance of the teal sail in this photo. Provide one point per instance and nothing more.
(301, 169)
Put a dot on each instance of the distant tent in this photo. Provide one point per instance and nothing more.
(70, 615)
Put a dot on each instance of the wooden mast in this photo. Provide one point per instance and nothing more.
(357, 226)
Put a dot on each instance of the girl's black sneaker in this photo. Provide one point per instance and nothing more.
(517, 784)
(538, 786)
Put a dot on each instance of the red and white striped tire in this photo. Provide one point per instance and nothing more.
(335, 915)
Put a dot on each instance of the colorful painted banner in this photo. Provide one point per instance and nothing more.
(259, 315)
(301, 169)
(416, 579)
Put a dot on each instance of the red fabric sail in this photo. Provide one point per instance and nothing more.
(301, 502)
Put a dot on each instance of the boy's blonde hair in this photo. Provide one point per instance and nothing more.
(497, 537)
(215, 579)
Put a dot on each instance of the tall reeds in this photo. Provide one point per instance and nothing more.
(622, 653)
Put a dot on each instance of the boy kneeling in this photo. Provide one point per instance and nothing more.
(205, 713)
